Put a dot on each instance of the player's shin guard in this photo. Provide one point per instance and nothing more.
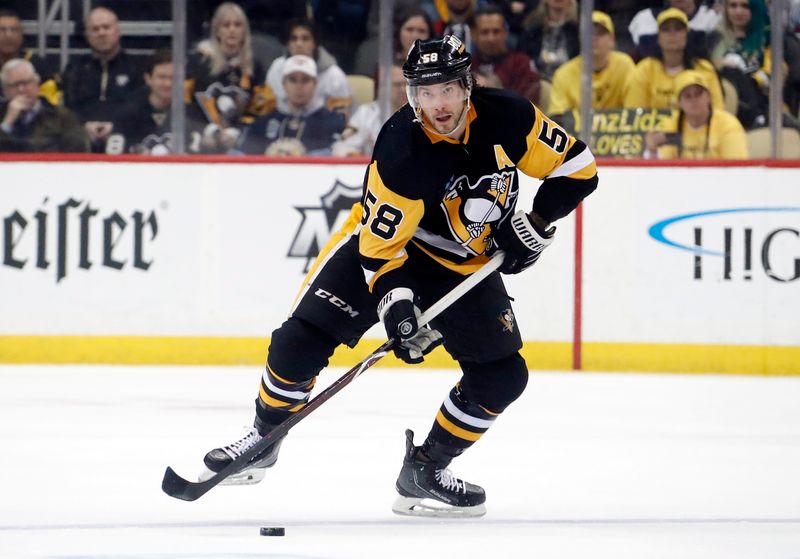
(459, 423)
(485, 390)
(299, 351)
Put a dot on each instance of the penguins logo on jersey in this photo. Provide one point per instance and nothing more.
(471, 208)
(222, 103)
(506, 318)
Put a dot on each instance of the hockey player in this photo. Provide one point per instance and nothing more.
(439, 197)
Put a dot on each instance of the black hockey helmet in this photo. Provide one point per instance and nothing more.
(437, 61)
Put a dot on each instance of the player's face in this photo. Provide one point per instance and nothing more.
(490, 34)
(442, 104)
(602, 42)
(738, 12)
(694, 100)
(160, 82)
(102, 31)
(301, 41)
(672, 35)
(10, 36)
(230, 33)
(299, 88)
(412, 29)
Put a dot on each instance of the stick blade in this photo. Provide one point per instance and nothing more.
(175, 486)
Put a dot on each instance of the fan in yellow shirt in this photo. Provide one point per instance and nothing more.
(611, 70)
(652, 83)
(696, 130)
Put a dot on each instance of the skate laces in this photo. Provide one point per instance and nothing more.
(237, 448)
(450, 482)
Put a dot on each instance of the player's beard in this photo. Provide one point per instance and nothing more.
(452, 125)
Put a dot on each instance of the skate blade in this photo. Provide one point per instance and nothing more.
(413, 506)
(250, 476)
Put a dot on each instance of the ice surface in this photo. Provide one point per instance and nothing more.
(582, 466)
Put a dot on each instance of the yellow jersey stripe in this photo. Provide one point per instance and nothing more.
(349, 227)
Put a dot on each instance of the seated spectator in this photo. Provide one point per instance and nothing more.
(28, 121)
(409, 25)
(144, 124)
(550, 35)
(702, 20)
(652, 83)
(96, 85)
(300, 126)
(610, 67)
(224, 83)
(622, 12)
(332, 87)
(493, 62)
(739, 51)
(451, 17)
(362, 129)
(11, 47)
(696, 130)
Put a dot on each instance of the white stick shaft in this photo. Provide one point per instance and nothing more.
(458, 291)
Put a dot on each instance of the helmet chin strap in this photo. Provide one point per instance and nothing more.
(421, 120)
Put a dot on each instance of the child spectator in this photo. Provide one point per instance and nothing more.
(96, 85)
(301, 125)
(224, 83)
(28, 121)
(696, 130)
(332, 87)
(144, 124)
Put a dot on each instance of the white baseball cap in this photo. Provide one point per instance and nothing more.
(300, 63)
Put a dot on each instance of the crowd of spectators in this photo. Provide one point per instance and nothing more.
(272, 77)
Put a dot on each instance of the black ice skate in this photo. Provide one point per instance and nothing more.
(254, 472)
(429, 489)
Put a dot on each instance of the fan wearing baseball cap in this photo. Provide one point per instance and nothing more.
(611, 69)
(696, 130)
(301, 125)
(701, 18)
(652, 83)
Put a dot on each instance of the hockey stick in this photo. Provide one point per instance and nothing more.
(180, 488)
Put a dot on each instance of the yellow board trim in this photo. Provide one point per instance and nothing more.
(633, 357)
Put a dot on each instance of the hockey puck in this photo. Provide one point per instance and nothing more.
(272, 531)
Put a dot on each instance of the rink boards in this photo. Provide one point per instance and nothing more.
(682, 268)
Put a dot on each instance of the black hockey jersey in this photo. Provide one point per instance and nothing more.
(447, 196)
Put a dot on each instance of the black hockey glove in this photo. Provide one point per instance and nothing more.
(522, 240)
(399, 316)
